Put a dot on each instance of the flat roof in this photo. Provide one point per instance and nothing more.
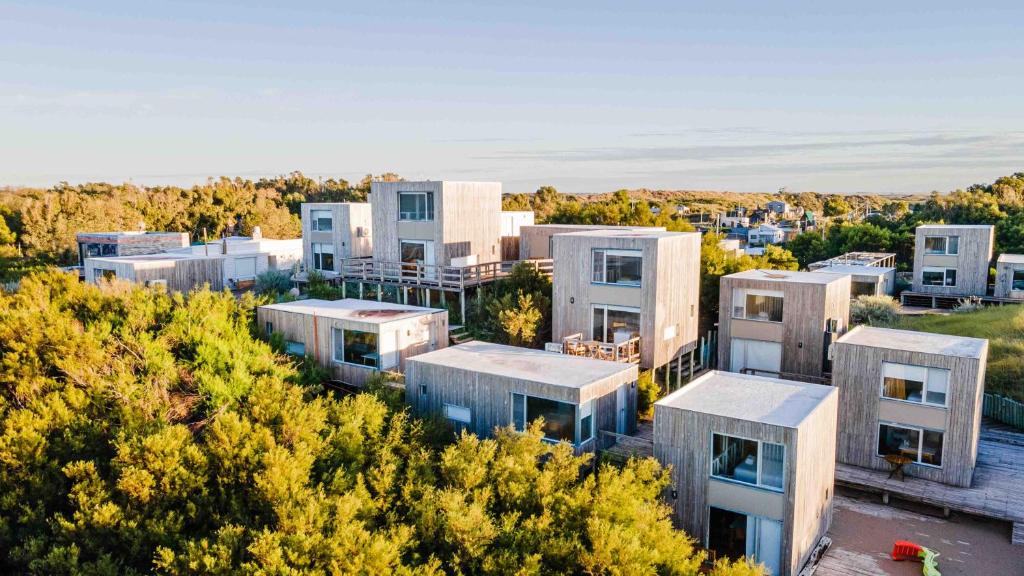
(966, 226)
(752, 398)
(913, 341)
(158, 257)
(855, 270)
(528, 364)
(1011, 258)
(127, 234)
(595, 227)
(368, 311)
(630, 233)
(788, 276)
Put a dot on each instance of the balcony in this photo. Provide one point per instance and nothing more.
(428, 276)
(575, 345)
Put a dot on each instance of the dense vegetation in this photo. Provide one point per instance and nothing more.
(148, 433)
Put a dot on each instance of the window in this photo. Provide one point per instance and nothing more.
(931, 276)
(415, 206)
(245, 268)
(586, 422)
(862, 289)
(920, 445)
(617, 267)
(294, 348)
(458, 413)
(559, 417)
(915, 383)
(747, 461)
(321, 220)
(615, 324)
(423, 390)
(95, 249)
(942, 245)
(323, 256)
(103, 274)
(1017, 283)
(355, 347)
(761, 305)
(269, 328)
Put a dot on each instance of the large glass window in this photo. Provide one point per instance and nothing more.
(95, 250)
(938, 276)
(355, 347)
(322, 220)
(294, 348)
(761, 305)
(915, 383)
(617, 267)
(415, 206)
(559, 417)
(1017, 282)
(747, 461)
(919, 445)
(862, 289)
(942, 245)
(103, 274)
(615, 325)
(323, 256)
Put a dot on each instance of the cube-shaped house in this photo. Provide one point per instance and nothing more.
(178, 272)
(777, 322)
(355, 338)
(105, 244)
(1010, 276)
(478, 386)
(913, 395)
(334, 231)
(245, 258)
(436, 223)
(612, 287)
(753, 465)
(952, 260)
(865, 280)
(535, 241)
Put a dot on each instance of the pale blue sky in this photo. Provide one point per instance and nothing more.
(588, 96)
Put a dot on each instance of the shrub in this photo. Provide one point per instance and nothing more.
(647, 393)
(969, 304)
(273, 282)
(875, 311)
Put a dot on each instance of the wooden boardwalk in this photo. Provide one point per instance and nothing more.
(997, 490)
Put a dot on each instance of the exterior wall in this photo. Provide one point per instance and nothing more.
(806, 309)
(315, 333)
(1004, 280)
(511, 223)
(467, 220)
(351, 231)
(131, 244)
(230, 274)
(667, 297)
(971, 263)
(857, 374)
(682, 439)
(181, 275)
(489, 396)
(535, 241)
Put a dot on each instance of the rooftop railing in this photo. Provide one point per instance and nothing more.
(430, 275)
(625, 351)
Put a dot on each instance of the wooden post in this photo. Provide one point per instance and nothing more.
(344, 288)
(360, 290)
(679, 371)
(462, 307)
(427, 292)
(692, 352)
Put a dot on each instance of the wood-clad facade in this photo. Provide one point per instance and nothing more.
(665, 295)
(100, 244)
(459, 221)
(948, 267)
(401, 332)
(800, 418)
(815, 309)
(480, 381)
(1010, 276)
(178, 272)
(535, 240)
(868, 401)
(349, 232)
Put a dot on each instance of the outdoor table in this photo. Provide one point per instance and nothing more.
(897, 462)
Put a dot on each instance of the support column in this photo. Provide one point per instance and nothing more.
(344, 289)
(679, 371)
(380, 292)
(692, 353)
(427, 292)
(360, 290)
(462, 306)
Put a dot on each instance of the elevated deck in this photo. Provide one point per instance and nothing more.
(412, 275)
(575, 345)
(940, 301)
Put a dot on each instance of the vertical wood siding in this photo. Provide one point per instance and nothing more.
(975, 253)
(1004, 280)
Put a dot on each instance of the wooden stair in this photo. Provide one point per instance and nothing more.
(458, 335)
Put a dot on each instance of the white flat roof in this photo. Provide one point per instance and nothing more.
(965, 226)
(1011, 258)
(629, 233)
(913, 341)
(816, 277)
(752, 398)
(855, 270)
(525, 364)
(158, 257)
(368, 311)
(596, 227)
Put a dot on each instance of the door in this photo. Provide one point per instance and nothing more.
(620, 410)
(765, 545)
(388, 350)
(756, 355)
(417, 253)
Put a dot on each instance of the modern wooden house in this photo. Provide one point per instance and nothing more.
(245, 257)
(535, 240)
(334, 231)
(872, 273)
(108, 244)
(512, 222)
(479, 386)
(952, 260)
(780, 323)
(1010, 276)
(913, 395)
(612, 287)
(178, 272)
(355, 338)
(753, 465)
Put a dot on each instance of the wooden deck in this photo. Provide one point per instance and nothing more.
(619, 447)
(997, 490)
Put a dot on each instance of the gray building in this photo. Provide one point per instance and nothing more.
(952, 260)
(1010, 276)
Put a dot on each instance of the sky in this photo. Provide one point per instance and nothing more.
(888, 97)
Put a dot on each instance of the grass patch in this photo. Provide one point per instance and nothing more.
(1003, 326)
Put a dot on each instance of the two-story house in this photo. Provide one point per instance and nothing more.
(333, 232)
(950, 262)
(753, 465)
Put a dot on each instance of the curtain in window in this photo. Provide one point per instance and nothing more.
(772, 464)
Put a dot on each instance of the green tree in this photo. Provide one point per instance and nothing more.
(521, 322)
(836, 206)
(808, 247)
